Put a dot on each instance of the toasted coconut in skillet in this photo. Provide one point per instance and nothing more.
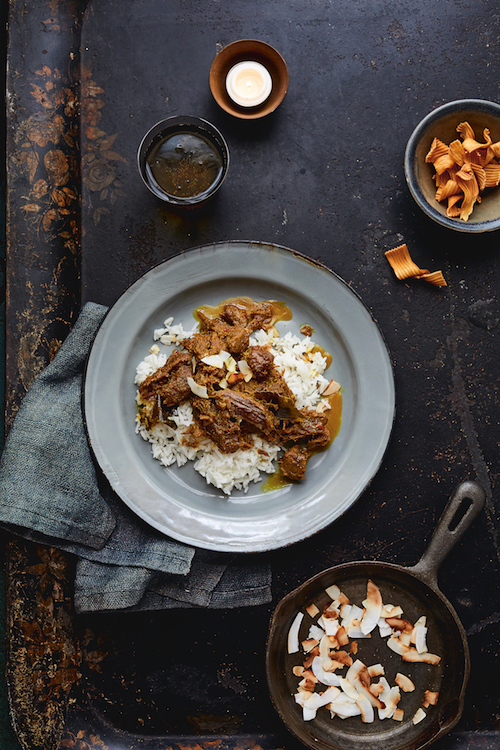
(403, 719)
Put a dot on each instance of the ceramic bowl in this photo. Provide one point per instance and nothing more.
(192, 165)
(442, 123)
(256, 51)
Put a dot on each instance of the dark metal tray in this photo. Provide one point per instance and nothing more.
(322, 175)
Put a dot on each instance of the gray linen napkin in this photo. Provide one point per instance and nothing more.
(50, 492)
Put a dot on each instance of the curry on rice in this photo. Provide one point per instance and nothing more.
(232, 404)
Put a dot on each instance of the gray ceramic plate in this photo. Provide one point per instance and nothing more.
(177, 501)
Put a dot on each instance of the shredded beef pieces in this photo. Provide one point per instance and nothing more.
(293, 462)
(225, 432)
(235, 338)
(248, 409)
(170, 381)
(260, 361)
(229, 416)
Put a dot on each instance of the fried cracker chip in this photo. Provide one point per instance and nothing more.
(492, 172)
(467, 181)
(404, 267)
(457, 152)
(450, 187)
(464, 169)
(453, 210)
(439, 155)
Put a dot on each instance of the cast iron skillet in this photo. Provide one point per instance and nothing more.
(416, 590)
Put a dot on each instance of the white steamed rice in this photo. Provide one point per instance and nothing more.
(228, 471)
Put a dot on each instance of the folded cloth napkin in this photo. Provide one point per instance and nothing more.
(50, 492)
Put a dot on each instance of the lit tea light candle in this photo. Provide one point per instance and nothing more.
(248, 83)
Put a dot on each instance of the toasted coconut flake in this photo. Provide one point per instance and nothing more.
(337, 664)
(307, 685)
(398, 714)
(325, 647)
(331, 627)
(309, 658)
(329, 695)
(301, 696)
(329, 665)
(383, 628)
(354, 670)
(293, 633)
(312, 610)
(419, 715)
(155, 349)
(308, 644)
(352, 613)
(309, 675)
(373, 608)
(405, 638)
(391, 701)
(344, 707)
(354, 631)
(213, 360)
(347, 688)
(245, 370)
(430, 698)
(404, 683)
(316, 632)
(342, 637)
(331, 388)
(389, 610)
(412, 655)
(332, 611)
(376, 670)
(198, 390)
(343, 657)
(298, 670)
(398, 623)
(420, 638)
(354, 647)
(231, 365)
(376, 688)
(344, 611)
(366, 708)
(363, 690)
(395, 645)
(333, 591)
(326, 678)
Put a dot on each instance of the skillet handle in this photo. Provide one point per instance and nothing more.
(462, 508)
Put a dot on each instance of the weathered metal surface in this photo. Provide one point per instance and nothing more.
(322, 175)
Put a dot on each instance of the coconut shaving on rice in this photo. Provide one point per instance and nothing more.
(231, 393)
